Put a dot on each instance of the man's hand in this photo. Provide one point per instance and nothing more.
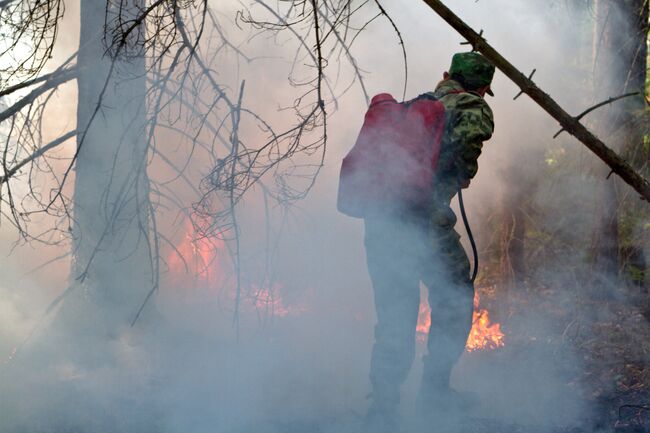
(463, 183)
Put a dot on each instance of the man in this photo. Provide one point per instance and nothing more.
(413, 244)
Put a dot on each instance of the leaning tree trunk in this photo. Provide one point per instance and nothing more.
(111, 272)
(620, 51)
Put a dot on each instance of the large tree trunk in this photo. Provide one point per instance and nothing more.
(620, 51)
(111, 271)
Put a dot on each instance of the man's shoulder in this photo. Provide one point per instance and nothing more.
(468, 114)
(465, 100)
(462, 105)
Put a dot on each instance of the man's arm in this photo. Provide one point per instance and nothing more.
(473, 123)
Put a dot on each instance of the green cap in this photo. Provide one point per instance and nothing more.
(476, 70)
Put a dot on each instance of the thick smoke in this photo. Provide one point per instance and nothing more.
(299, 359)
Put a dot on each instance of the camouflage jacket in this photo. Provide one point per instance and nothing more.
(469, 122)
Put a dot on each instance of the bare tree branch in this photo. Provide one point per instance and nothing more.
(51, 145)
(52, 82)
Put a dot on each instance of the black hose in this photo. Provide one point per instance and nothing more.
(469, 233)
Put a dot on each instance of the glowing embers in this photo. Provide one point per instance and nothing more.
(483, 336)
(206, 264)
(269, 302)
(195, 261)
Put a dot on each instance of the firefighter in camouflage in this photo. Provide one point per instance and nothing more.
(422, 245)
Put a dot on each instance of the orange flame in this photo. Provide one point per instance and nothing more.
(482, 336)
(199, 262)
(424, 320)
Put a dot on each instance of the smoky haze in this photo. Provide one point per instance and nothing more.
(297, 358)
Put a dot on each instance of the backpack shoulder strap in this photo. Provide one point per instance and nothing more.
(428, 95)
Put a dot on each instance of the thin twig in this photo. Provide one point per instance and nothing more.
(51, 145)
(600, 104)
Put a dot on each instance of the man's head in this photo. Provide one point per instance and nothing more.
(473, 71)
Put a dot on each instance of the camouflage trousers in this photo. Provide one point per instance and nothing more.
(403, 250)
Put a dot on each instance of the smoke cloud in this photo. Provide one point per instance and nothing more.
(297, 356)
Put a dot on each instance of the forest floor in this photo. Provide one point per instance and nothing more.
(616, 356)
(564, 355)
(608, 340)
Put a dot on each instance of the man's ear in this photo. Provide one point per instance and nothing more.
(445, 75)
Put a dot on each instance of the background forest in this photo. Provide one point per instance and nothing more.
(172, 257)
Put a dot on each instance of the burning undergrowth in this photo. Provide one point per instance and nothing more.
(484, 334)
(205, 265)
